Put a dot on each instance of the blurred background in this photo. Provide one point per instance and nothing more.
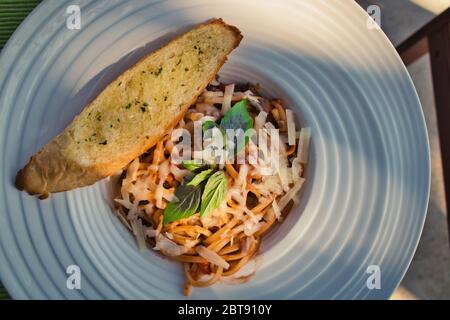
(429, 274)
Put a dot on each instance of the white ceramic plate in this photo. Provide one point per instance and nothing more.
(368, 183)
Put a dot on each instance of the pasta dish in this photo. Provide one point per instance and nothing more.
(207, 213)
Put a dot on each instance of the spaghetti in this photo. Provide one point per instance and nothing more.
(219, 244)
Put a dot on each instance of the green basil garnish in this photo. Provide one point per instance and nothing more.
(214, 193)
(199, 178)
(192, 165)
(194, 192)
(237, 117)
(209, 124)
(186, 202)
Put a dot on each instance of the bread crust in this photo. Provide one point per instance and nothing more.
(50, 171)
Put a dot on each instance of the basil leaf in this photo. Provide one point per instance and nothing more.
(192, 165)
(209, 124)
(237, 117)
(186, 202)
(200, 177)
(208, 127)
(214, 193)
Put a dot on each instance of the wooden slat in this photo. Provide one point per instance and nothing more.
(417, 45)
(439, 43)
(415, 51)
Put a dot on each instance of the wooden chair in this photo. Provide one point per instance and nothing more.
(434, 38)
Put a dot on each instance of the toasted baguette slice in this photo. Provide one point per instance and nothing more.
(132, 113)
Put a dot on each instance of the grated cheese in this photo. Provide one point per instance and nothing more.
(304, 141)
(226, 104)
(212, 257)
(290, 126)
